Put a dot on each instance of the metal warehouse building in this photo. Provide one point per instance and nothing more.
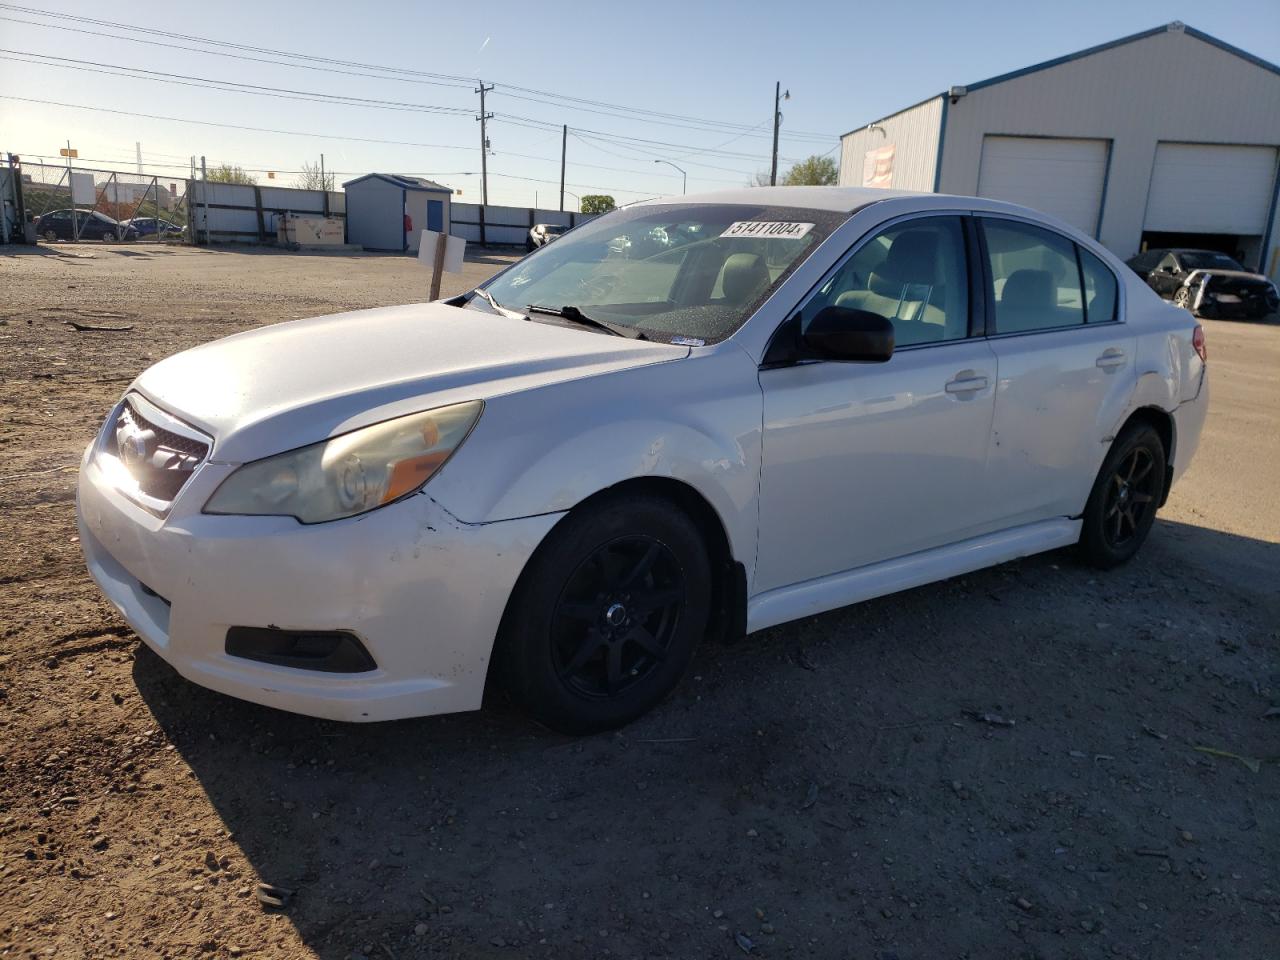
(1165, 138)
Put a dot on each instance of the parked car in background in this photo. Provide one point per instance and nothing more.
(1208, 283)
(567, 478)
(92, 225)
(543, 233)
(150, 226)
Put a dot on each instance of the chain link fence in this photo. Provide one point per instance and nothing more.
(69, 203)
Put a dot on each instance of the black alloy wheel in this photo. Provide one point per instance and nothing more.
(604, 621)
(614, 620)
(1126, 494)
(1130, 497)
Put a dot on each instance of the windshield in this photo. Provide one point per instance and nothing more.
(692, 271)
(1204, 260)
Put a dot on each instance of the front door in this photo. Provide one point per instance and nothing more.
(867, 462)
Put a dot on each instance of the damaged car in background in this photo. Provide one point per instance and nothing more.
(1208, 283)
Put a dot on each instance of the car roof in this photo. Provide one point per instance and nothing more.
(836, 199)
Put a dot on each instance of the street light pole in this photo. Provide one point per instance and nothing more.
(684, 177)
(778, 97)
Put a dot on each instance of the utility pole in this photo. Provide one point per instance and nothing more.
(204, 195)
(484, 144)
(564, 147)
(778, 97)
(137, 144)
(324, 184)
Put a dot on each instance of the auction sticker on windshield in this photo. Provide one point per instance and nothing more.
(771, 229)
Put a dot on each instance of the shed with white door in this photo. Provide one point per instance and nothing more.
(1165, 138)
(389, 211)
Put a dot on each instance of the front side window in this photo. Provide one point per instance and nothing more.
(1034, 277)
(912, 274)
(695, 271)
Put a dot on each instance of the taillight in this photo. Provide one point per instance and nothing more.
(1197, 341)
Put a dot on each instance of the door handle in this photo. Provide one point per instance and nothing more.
(1111, 358)
(966, 384)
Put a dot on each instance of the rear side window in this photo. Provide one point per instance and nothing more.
(1034, 276)
(1099, 289)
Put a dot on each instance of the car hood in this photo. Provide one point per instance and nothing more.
(286, 385)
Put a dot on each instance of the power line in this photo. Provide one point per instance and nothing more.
(391, 73)
(230, 86)
(235, 46)
(707, 125)
(226, 86)
(234, 56)
(655, 155)
(308, 96)
(236, 126)
(629, 140)
(321, 136)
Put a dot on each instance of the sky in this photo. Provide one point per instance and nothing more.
(687, 82)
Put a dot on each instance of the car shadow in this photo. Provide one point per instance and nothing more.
(858, 733)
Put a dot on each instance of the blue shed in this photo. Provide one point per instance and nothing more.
(378, 203)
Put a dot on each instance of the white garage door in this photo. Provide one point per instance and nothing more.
(1057, 176)
(1210, 188)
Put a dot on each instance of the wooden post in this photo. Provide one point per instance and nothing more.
(482, 237)
(437, 268)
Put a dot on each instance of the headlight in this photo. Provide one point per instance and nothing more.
(348, 474)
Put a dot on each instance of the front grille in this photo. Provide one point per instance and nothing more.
(159, 459)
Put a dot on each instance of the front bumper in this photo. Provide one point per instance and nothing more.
(422, 591)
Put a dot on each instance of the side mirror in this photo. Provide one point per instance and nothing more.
(845, 334)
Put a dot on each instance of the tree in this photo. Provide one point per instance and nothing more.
(226, 173)
(597, 203)
(761, 179)
(815, 171)
(312, 179)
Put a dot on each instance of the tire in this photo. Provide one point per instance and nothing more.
(605, 619)
(1182, 298)
(1126, 494)
(110, 236)
(50, 236)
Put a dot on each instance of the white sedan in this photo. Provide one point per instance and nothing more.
(690, 418)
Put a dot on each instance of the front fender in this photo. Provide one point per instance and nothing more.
(545, 450)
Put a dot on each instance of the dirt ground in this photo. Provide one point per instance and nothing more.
(823, 789)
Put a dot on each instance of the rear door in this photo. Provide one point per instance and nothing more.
(1066, 364)
(863, 462)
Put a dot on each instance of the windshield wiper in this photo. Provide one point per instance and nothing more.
(487, 297)
(574, 315)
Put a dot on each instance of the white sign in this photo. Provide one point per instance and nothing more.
(767, 229)
(877, 167)
(453, 250)
(82, 189)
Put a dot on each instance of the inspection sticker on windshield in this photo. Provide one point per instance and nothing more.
(768, 229)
